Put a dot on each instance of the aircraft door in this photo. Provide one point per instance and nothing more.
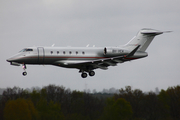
(40, 55)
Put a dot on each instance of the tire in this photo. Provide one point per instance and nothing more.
(91, 73)
(24, 73)
(84, 75)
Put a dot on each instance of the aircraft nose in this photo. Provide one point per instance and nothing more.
(9, 60)
(14, 58)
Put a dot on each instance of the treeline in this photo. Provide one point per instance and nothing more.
(57, 103)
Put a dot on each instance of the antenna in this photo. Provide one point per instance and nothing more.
(52, 45)
(87, 45)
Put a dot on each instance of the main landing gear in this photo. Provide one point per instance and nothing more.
(84, 74)
(24, 68)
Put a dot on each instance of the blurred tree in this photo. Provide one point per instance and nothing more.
(93, 107)
(77, 102)
(164, 100)
(174, 97)
(55, 102)
(11, 94)
(55, 111)
(49, 110)
(35, 96)
(136, 99)
(94, 91)
(76, 116)
(43, 93)
(20, 109)
(151, 107)
(118, 109)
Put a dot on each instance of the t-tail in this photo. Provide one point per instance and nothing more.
(143, 38)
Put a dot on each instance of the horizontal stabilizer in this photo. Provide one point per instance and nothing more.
(167, 31)
(143, 38)
(153, 32)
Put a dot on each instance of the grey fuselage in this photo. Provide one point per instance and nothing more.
(69, 56)
(86, 59)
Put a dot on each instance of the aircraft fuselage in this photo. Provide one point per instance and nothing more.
(86, 59)
(65, 56)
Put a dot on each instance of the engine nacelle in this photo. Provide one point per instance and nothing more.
(113, 51)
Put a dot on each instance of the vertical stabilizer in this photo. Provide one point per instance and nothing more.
(143, 38)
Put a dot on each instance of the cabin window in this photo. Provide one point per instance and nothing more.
(70, 52)
(57, 52)
(83, 52)
(76, 52)
(114, 51)
(64, 52)
(51, 52)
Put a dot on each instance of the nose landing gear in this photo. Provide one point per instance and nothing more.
(24, 68)
(24, 73)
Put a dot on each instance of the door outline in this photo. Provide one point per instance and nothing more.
(41, 54)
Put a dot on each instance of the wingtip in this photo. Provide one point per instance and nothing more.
(167, 31)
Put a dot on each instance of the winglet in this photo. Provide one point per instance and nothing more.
(132, 52)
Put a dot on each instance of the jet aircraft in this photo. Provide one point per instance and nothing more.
(86, 59)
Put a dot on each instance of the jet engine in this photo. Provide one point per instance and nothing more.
(113, 51)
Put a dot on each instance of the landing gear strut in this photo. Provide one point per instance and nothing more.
(24, 68)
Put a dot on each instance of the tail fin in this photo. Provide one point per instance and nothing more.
(143, 38)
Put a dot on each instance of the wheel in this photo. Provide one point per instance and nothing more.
(91, 73)
(24, 73)
(84, 75)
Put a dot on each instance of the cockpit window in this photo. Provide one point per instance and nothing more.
(29, 49)
(26, 49)
(22, 50)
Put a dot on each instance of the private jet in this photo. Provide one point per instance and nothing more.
(86, 59)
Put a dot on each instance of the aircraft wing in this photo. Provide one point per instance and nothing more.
(111, 61)
(102, 63)
(93, 64)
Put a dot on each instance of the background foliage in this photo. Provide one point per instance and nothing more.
(57, 103)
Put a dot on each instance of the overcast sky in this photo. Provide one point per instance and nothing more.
(25, 23)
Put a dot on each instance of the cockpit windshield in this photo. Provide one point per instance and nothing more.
(26, 50)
